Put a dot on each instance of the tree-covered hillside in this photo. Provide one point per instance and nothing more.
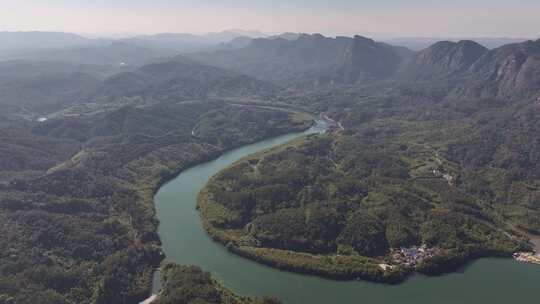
(76, 210)
(455, 178)
(190, 285)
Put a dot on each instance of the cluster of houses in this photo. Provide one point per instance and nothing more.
(527, 257)
(447, 176)
(413, 256)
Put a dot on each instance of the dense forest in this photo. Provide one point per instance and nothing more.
(77, 216)
(431, 159)
(411, 169)
(190, 285)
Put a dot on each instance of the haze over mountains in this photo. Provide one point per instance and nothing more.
(311, 58)
(13, 43)
(41, 40)
(510, 70)
(60, 68)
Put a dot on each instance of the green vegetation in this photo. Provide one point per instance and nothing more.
(435, 152)
(76, 211)
(189, 284)
(451, 176)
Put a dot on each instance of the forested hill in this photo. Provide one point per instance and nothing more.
(444, 161)
(36, 89)
(76, 210)
(435, 152)
(442, 60)
(455, 178)
(188, 284)
(181, 79)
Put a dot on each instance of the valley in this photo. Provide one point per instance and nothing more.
(429, 164)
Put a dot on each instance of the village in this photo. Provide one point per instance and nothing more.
(527, 257)
(413, 256)
(409, 257)
(531, 257)
(447, 176)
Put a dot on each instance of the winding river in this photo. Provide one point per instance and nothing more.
(490, 281)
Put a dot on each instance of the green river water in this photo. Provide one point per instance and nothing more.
(489, 281)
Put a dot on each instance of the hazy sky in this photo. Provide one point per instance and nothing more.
(443, 18)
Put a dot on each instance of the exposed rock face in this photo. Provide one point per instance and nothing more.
(366, 59)
(511, 71)
(466, 69)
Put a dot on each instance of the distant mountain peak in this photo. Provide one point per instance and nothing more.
(358, 38)
(443, 59)
(287, 36)
(311, 37)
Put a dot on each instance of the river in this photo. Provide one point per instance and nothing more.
(489, 281)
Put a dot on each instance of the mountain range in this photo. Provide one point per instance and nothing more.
(310, 59)
(258, 66)
(315, 61)
(434, 151)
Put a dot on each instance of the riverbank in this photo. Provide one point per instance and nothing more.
(149, 184)
(387, 269)
(336, 267)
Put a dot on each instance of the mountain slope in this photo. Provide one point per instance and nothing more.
(467, 70)
(441, 60)
(46, 92)
(511, 71)
(181, 80)
(366, 59)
